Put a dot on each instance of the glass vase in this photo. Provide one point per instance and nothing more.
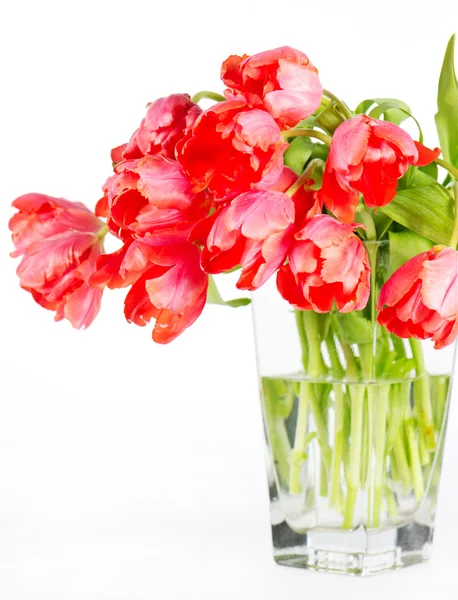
(355, 421)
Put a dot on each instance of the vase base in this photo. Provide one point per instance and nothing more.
(356, 552)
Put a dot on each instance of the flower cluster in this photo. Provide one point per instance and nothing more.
(198, 192)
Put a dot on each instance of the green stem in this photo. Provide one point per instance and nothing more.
(369, 224)
(424, 452)
(447, 166)
(343, 107)
(350, 359)
(309, 335)
(298, 455)
(302, 338)
(400, 399)
(313, 164)
(401, 461)
(304, 132)
(102, 232)
(357, 401)
(423, 395)
(440, 391)
(367, 451)
(380, 462)
(398, 345)
(365, 457)
(391, 502)
(414, 454)
(316, 365)
(336, 365)
(209, 95)
(395, 476)
(336, 494)
(281, 448)
(317, 369)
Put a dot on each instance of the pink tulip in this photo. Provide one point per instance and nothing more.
(420, 299)
(124, 266)
(282, 81)
(368, 157)
(60, 241)
(255, 230)
(173, 290)
(151, 197)
(167, 120)
(232, 149)
(327, 265)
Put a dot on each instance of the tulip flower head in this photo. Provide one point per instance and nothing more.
(167, 120)
(420, 299)
(328, 265)
(60, 242)
(368, 157)
(282, 81)
(232, 149)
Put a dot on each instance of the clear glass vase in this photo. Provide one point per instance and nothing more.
(355, 420)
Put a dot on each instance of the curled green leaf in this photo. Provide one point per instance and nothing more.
(447, 103)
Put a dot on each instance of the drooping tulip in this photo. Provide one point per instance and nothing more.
(420, 299)
(255, 231)
(368, 157)
(328, 265)
(282, 81)
(60, 242)
(173, 290)
(151, 197)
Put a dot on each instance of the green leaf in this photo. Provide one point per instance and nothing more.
(298, 153)
(427, 210)
(447, 103)
(404, 245)
(364, 106)
(354, 328)
(431, 170)
(214, 297)
(392, 110)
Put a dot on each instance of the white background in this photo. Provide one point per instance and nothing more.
(134, 471)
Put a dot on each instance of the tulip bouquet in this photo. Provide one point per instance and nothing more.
(278, 178)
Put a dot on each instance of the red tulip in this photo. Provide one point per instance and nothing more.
(282, 81)
(327, 264)
(173, 290)
(255, 230)
(167, 120)
(420, 299)
(124, 266)
(368, 157)
(60, 241)
(231, 150)
(151, 197)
